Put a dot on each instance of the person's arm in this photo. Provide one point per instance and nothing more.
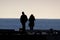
(34, 18)
(20, 18)
(26, 18)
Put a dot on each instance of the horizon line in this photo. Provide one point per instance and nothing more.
(35, 18)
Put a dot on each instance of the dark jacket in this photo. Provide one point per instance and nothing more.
(23, 18)
(31, 21)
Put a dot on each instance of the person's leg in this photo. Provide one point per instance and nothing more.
(24, 26)
(32, 28)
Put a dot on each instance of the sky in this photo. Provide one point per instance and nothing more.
(39, 8)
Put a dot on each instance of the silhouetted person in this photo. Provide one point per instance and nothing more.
(31, 22)
(23, 20)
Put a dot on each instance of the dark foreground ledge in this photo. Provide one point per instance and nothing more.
(31, 37)
(34, 35)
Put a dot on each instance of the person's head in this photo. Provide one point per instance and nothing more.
(22, 13)
(31, 14)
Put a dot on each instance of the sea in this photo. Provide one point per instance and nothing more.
(40, 24)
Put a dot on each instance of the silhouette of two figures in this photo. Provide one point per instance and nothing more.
(24, 19)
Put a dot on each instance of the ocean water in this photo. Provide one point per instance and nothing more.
(42, 24)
